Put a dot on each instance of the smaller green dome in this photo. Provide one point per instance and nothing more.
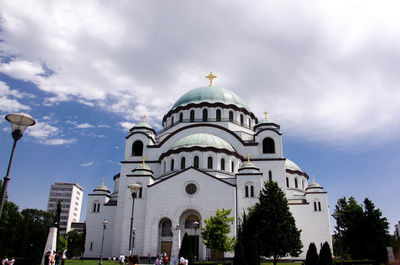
(203, 140)
(247, 165)
(143, 124)
(102, 187)
(210, 94)
(265, 121)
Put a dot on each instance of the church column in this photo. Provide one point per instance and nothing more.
(176, 245)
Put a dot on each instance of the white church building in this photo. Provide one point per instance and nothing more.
(212, 153)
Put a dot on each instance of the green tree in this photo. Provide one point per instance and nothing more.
(74, 243)
(215, 233)
(186, 249)
(352, 222)
(325, 255)
(245, 237)
(9, 230)
(276, 232)
(62, 243)
(239, 258)
(312, 255)
(34, 230)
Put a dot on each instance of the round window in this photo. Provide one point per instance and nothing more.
(191, 189)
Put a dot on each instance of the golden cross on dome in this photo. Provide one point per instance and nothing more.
(313, 180)
(143, 159)
(211, 76)
(265, 113)
(144, 118)
(102, 181)
(248, 158)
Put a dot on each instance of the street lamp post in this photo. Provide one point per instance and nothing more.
(102, 242)
(19, 122)
(196, 225)
(134, 190)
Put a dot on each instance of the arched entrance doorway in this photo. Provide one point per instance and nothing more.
(165, 236)
(190, 223)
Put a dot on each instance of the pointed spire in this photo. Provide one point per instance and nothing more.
(248, 158)
(143, 160)
(102, 181)
(313, 179)
(144, 118)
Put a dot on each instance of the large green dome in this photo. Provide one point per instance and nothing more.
(210, 94)
(202, 140)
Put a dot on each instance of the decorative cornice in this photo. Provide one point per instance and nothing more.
(133, 132)
(267, 124)
(202, 125)
(268, 129)
(202, 149)
(140, 176)
(207, 104)
(173, 175)
(297, 172)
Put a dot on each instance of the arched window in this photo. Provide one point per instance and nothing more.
(295, 183)
(241, 119)
(183, 163)
(252, 191)
(172, 120)
(270, 175)
(230, 115)
(268, 146)
(222, 164)
(317, 206)
(181, 117)
(140, 192)
(209, 162)
(166, 227)
(190, 221)
(218, 115)
(172, 164)
(233, 166)
(302, 184)
(137, 148)
(246, 191)
(96, 207)
(192, 115)
(249, 123)
(205, 114)
(165, 166)
(287, 182)
(196, 162)
(249, 190)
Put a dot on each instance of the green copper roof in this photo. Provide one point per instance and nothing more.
(143, 124)
(292, 165)
(202, 140)
(210, 94)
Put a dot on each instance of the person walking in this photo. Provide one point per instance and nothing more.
(121, 259)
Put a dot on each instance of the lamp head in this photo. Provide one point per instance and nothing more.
(104, 223)
(135, 187)
(19, 122)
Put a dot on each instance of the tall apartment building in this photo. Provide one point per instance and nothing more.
(70, 195)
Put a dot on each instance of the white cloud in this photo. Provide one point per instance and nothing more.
(8, 103)
(48, 134)
(324, 72)
(126, 125)
(87, 164)
(84, 125)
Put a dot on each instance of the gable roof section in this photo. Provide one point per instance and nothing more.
(201, 171)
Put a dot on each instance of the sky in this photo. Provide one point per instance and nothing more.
(87, 71)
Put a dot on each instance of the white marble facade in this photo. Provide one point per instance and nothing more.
(196, 164)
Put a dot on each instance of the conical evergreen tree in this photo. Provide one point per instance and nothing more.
(276, 233)
(186, 250)
(312, 255)
(325, 255)
(239, 258)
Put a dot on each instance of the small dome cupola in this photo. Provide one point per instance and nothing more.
(266, 123)
(248, 167)
(143, 169)
(143, 126)
(314, 186)
(102, 188)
